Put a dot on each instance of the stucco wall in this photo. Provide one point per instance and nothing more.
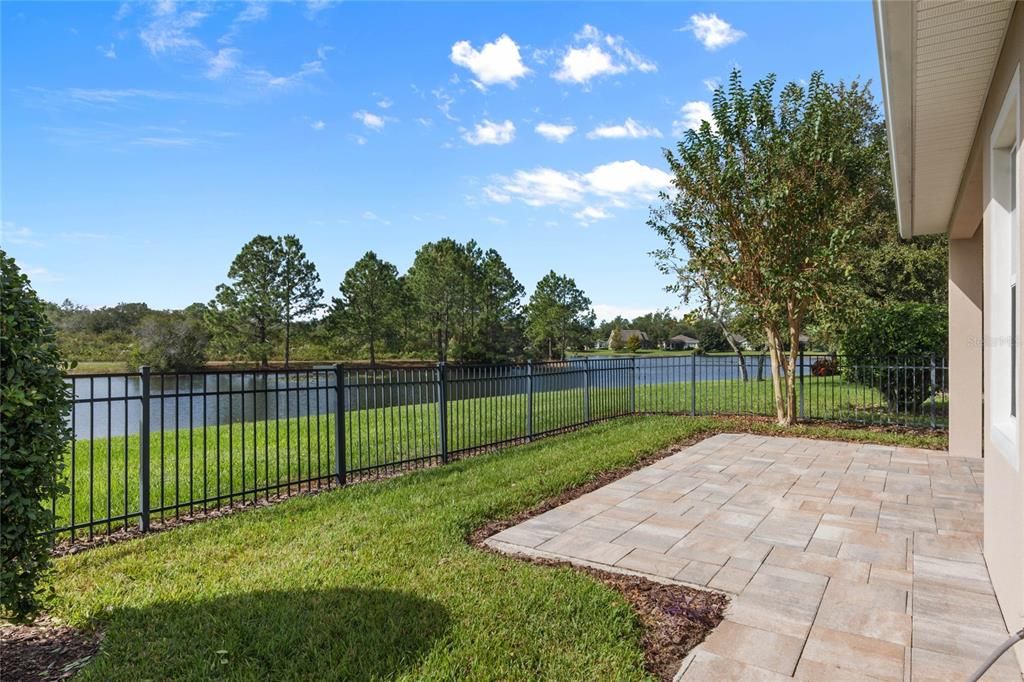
(966, 300)
(1004, 483)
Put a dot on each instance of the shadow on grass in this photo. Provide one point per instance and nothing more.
(335, 633)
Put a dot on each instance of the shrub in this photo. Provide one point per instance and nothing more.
(33, 436)
(171, 343)
(890, 347)
(634, 343)
(825, 367)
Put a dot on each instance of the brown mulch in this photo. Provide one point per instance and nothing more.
(44, 651)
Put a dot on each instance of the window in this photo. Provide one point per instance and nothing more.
(1002, 265)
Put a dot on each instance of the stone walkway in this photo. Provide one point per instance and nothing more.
(843, 561)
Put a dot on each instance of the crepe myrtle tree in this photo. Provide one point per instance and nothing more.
(766, 198)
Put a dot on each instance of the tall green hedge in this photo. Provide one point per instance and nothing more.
(33, 435)
(891, 346)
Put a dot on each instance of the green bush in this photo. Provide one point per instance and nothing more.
(33, 434)
(171, 343)
(891, 346)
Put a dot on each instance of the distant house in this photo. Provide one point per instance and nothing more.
(626, 334)
(740, 341)
(681, 342)
(600, 344)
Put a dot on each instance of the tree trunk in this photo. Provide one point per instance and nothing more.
(739, 353)
(760, 367)
(779, 391)
(373, 357)
(795, 319)
(287, 339)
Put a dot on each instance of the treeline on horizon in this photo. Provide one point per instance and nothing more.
(457, 302)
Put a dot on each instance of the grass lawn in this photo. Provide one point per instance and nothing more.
(218, 463)
(376, 581)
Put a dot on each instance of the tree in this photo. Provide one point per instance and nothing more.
(441, 282)
(497, 330)
(615, 339)
(558, 315)
(767, 200)
(633, 343)
(171, 342)
(369, 308)
(34, 402)
(273, 284)
(712, 303)
(298, 287)
(246, 314)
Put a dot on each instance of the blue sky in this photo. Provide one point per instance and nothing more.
(143, 144)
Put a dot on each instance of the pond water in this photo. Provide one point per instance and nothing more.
(111, 405)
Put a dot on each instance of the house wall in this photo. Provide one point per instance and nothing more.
(966, 301)
(1004, 471)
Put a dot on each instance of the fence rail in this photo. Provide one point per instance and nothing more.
(148, 447)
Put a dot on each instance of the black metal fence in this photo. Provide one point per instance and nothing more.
(151, 447)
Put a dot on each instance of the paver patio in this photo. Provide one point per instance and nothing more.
(843, 561)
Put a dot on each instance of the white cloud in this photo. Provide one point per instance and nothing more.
(425, 121)
(616, 183)
(314, 7)
(170, 30)
(630, 129)
(692, 113)
(253, 12)
(384, 103)
(591, 214)
(554, 132)
(318, 125)
(712, 31)
(627, 178)
(713, 83)
(114, 96)
(13, 233)
(494, 63)
(108, 51)
(369, 119)
(496, 220)
(597, 54)
(223, 62)
(152, 141)
(372, 217)
(265, 79)
(359, 139)
(489, 132)
(539, 187)
(444, 103)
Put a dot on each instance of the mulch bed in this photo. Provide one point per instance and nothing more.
(44, 651)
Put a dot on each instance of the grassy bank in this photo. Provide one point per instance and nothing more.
(375, 581)
(262, 457)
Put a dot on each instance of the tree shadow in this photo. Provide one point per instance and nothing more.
(334, 633)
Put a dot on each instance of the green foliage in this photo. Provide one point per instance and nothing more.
(558, 316)
(171, 343)
(33, 435)
(273, 284)
(709, 335)
(633, 343)
(370, 308)
(767, 198)
(909, 332)
(615, 339)
(467, 302)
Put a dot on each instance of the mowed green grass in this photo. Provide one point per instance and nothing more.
(370, 582)
(245, 461)
(376, 581)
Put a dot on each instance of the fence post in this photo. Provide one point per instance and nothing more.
(632, 386)
(693, 383)
(586, 390)
(529, 400)
(442, 410)
(933, 389)
(800, 374)
(340, 465)
(144, 451)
